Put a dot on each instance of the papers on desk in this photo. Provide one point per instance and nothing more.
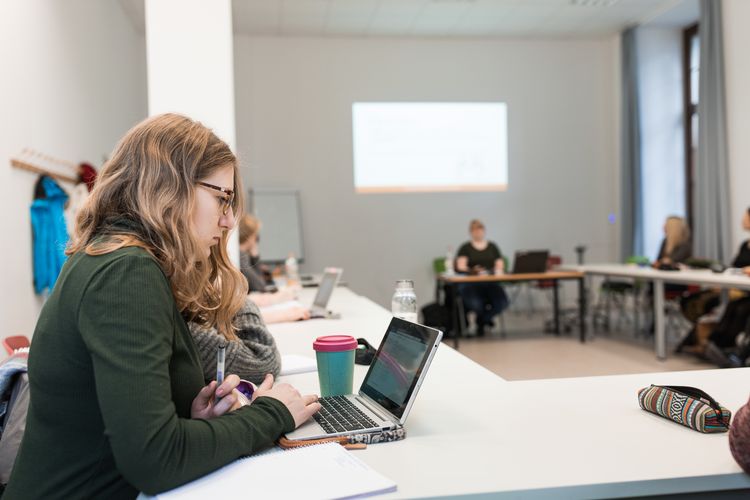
(292, 363)
(311, 472)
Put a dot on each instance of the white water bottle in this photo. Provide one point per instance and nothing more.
(404, 302)
(449, 262)
(292, 270)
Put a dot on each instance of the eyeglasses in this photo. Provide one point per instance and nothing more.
(225, 203)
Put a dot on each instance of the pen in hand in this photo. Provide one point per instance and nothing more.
(220, 354)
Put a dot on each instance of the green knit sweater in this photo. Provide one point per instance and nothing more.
(113, 371)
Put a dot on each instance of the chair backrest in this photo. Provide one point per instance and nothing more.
(638, 260)
(438, 265)
(552, 261)
(14, 396)
(15, 342)
(14, 425)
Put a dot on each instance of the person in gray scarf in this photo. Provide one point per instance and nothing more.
(251, 357)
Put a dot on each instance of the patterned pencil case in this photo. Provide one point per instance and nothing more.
(353, 441)
(688, 406)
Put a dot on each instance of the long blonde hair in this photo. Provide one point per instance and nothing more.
(677, 233)
(249, 227)
(144, 196)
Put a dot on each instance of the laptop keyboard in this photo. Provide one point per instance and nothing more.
(338, 414)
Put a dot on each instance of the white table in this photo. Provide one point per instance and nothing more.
(472, 433)
(658, 278)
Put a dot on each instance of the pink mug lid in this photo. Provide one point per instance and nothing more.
(335, 343)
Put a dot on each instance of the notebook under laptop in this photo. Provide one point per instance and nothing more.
(319, 308)
(530, 261)
(388, 390)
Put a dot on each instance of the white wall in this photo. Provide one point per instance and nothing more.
(73, 81)
(662, 130)
(294, 101)
(190, 63)
(737, 72)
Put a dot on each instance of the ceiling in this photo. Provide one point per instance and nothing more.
(446, 18)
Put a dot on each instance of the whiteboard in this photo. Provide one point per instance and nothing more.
(281, 219)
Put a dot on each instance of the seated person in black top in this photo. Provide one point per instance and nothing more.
(734, 320)
(737, 313)
(479, 256)
(249, 254)
(742, 261)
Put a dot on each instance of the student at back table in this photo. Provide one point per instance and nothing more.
(480, 256)
(250, 267)
(117, 396)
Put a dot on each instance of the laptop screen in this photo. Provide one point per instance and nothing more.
(325, 289)
(398, 365)
(530, 261)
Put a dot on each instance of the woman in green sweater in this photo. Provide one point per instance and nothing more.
(118, 402)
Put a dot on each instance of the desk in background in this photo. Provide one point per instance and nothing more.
(451, 284)
(658, 278)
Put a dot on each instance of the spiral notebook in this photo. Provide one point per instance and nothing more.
(310, 472)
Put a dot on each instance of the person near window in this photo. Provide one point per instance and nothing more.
(729, 342)
(719, 341)
(675, 247)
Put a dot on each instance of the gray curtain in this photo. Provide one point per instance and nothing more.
(631, 219)
(712, 238)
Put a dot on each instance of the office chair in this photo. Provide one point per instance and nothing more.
(15, 342)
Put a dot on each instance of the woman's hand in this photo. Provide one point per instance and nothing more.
(282, 315)
(746, 270)
(301, 407)
(206, 404)
(297, 314)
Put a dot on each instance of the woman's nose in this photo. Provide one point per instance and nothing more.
(227, 221)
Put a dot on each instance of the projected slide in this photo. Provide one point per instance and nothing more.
(406, 147)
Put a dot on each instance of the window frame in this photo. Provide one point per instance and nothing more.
(690, 110)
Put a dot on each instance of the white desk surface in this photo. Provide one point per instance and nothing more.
(470, 432)
(687, 276)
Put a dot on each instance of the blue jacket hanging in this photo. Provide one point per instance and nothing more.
(50, 234)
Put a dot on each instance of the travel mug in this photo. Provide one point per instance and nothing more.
(335, 356)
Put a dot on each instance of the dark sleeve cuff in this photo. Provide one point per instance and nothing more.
(280, 409)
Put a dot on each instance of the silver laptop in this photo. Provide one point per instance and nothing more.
(388, 391)
(319, 308)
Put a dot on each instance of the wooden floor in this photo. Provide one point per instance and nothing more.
(527, 353)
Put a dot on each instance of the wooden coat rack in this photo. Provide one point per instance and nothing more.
(31, 165)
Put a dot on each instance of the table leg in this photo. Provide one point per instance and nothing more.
(582, 308)
(556, 300)
(659, 334)
(636, 307)
(607, 303)
(451, 289)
